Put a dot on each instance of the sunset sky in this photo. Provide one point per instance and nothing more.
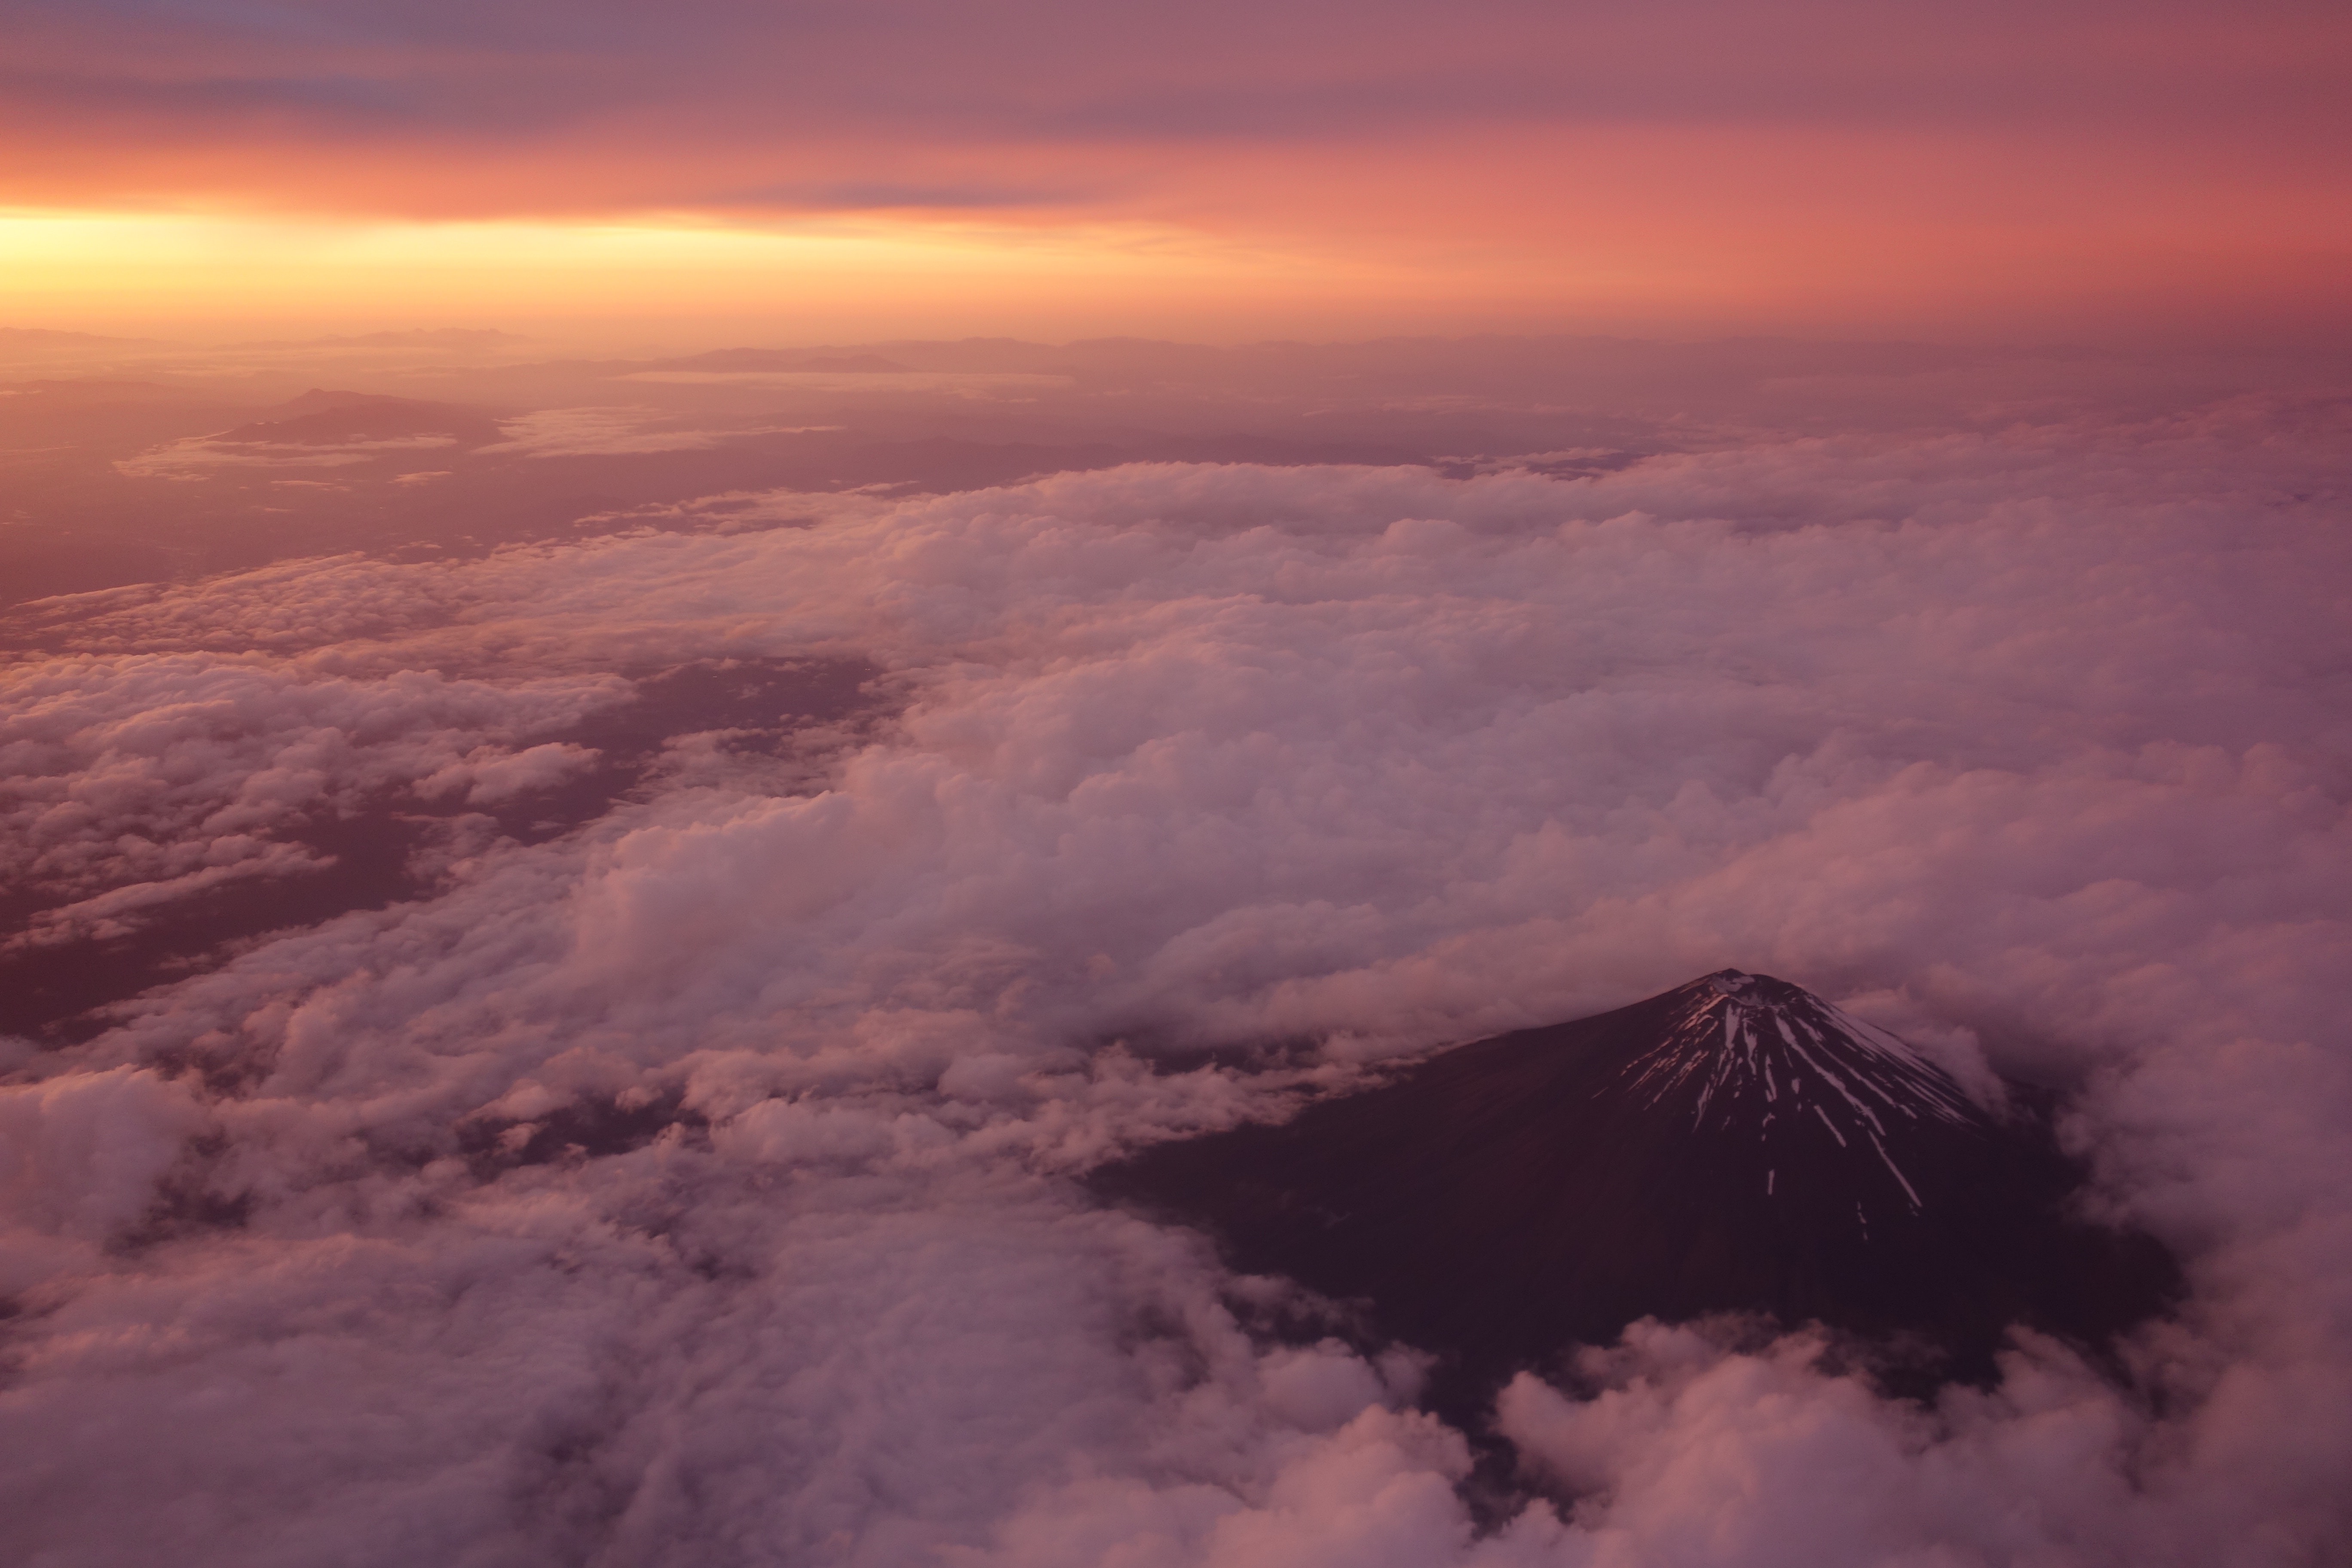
(1215, 170)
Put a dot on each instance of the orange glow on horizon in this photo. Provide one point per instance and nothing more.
(916, 276)
(150, 268)
(1219, 172)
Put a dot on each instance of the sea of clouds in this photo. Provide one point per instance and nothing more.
(2035, 746)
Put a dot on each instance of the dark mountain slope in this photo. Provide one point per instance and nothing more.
(1735, 1144)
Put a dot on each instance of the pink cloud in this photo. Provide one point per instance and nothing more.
(692, 1186)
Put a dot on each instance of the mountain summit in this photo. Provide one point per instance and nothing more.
(1746, 1057)
(1736, 1144)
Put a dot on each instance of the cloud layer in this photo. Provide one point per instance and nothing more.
(694, 1186)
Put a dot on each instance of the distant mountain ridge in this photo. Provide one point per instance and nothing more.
(442, 338)
(1735, 1144)
(790, 361)
(326, 417)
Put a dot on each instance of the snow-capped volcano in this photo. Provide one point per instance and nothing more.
(1735, 1144)
(1753, 1056)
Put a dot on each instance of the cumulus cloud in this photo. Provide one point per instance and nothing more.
(129, 784)
(695, 1186)
(1691, 1453)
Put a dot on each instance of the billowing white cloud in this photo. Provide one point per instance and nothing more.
(693, 1187)
(128, 782)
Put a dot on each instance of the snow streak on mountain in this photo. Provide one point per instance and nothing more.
(1755, 1056)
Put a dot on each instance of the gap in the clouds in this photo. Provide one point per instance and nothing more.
(759, 703)
(186, 1203)
(56, 990)
(1162, 1053)
(391, 847)
(582, 1129)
